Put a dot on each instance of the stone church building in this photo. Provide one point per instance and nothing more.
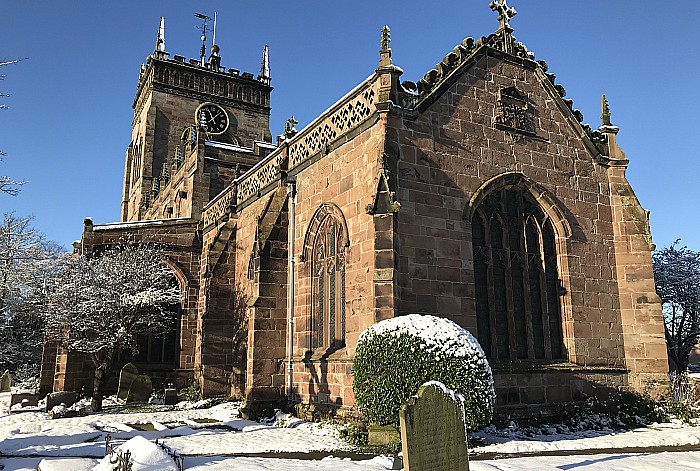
(475, 193)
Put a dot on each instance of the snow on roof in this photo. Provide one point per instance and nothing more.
(135, 224)
(224, 145)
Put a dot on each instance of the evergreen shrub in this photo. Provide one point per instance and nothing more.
(396, 356)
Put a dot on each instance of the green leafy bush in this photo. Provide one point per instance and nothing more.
(355, 434)
(191, 392)
(396, 356)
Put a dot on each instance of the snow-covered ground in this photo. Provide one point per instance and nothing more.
(216, 438)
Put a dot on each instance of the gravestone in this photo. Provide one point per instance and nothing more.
(170, 397)
(68, 398)
(433, 432)
(140, 390)
(19, 398)
(5, 381)
(127, 376)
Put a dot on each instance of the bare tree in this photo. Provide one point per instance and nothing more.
(28, 264)
(677, 275)
(102, 303)
(7, 184)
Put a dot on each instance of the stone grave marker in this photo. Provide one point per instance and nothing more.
(61, 397)
(433, 432)
(5, 381)
(19, 398)
(140, 390)
(127, 376)
(170, 397)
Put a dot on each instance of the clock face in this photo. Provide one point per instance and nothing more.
(212, 118)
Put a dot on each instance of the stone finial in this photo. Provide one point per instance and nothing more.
(505, 13)
(289, 129)
(605, 111)
(265, 66)
(160, 40)
(385, 50)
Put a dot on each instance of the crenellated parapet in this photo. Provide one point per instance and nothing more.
(191, 79)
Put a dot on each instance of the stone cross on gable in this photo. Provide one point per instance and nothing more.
(505, 12)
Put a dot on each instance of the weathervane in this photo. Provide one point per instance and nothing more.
(505, 13)
(205, 19)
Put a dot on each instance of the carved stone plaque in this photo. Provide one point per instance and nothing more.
(433, 432)
(514, 113)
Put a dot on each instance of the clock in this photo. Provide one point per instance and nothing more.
(212, 118)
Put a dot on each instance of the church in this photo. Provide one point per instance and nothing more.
(475, 193)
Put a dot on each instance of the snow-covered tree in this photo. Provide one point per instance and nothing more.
(101, 303)
(677, 275)
(28, 265)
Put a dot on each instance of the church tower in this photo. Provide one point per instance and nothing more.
(196, 127)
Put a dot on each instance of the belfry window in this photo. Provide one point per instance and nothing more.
(517, 284)
(328, 285)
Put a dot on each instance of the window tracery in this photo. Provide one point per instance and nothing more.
(516, 278)
(325, 246)
(328, 272)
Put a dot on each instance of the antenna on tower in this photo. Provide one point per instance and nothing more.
(205, 19)
(213, 36)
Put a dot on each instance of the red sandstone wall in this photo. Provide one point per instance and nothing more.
(452, 150)
(449, 152)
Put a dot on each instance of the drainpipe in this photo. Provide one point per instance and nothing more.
(292, 193)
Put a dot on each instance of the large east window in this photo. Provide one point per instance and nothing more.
(517, 285)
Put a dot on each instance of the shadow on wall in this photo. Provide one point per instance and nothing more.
(319, 390)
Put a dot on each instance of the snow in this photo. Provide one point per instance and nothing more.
(438, 334)
(145, 455)
(657, 435)
(67, 464)
(216, 438)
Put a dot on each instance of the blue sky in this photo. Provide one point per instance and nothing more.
(70, 111)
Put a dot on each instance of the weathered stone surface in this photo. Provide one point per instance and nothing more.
(19, 398)
(382, 435)
(140, 390)
(127, 376)
(433, 431)
(62, 397)
(5, 381)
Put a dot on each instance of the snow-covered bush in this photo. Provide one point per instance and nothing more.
(396, 356)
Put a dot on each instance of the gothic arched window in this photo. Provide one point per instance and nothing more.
(517, 284)
(325, 250)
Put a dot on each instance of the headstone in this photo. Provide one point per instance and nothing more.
(127, 376)
(433, 431)
(5, 381)
(19, 398)
(140, 390)
(170, 397)
(68, 398)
